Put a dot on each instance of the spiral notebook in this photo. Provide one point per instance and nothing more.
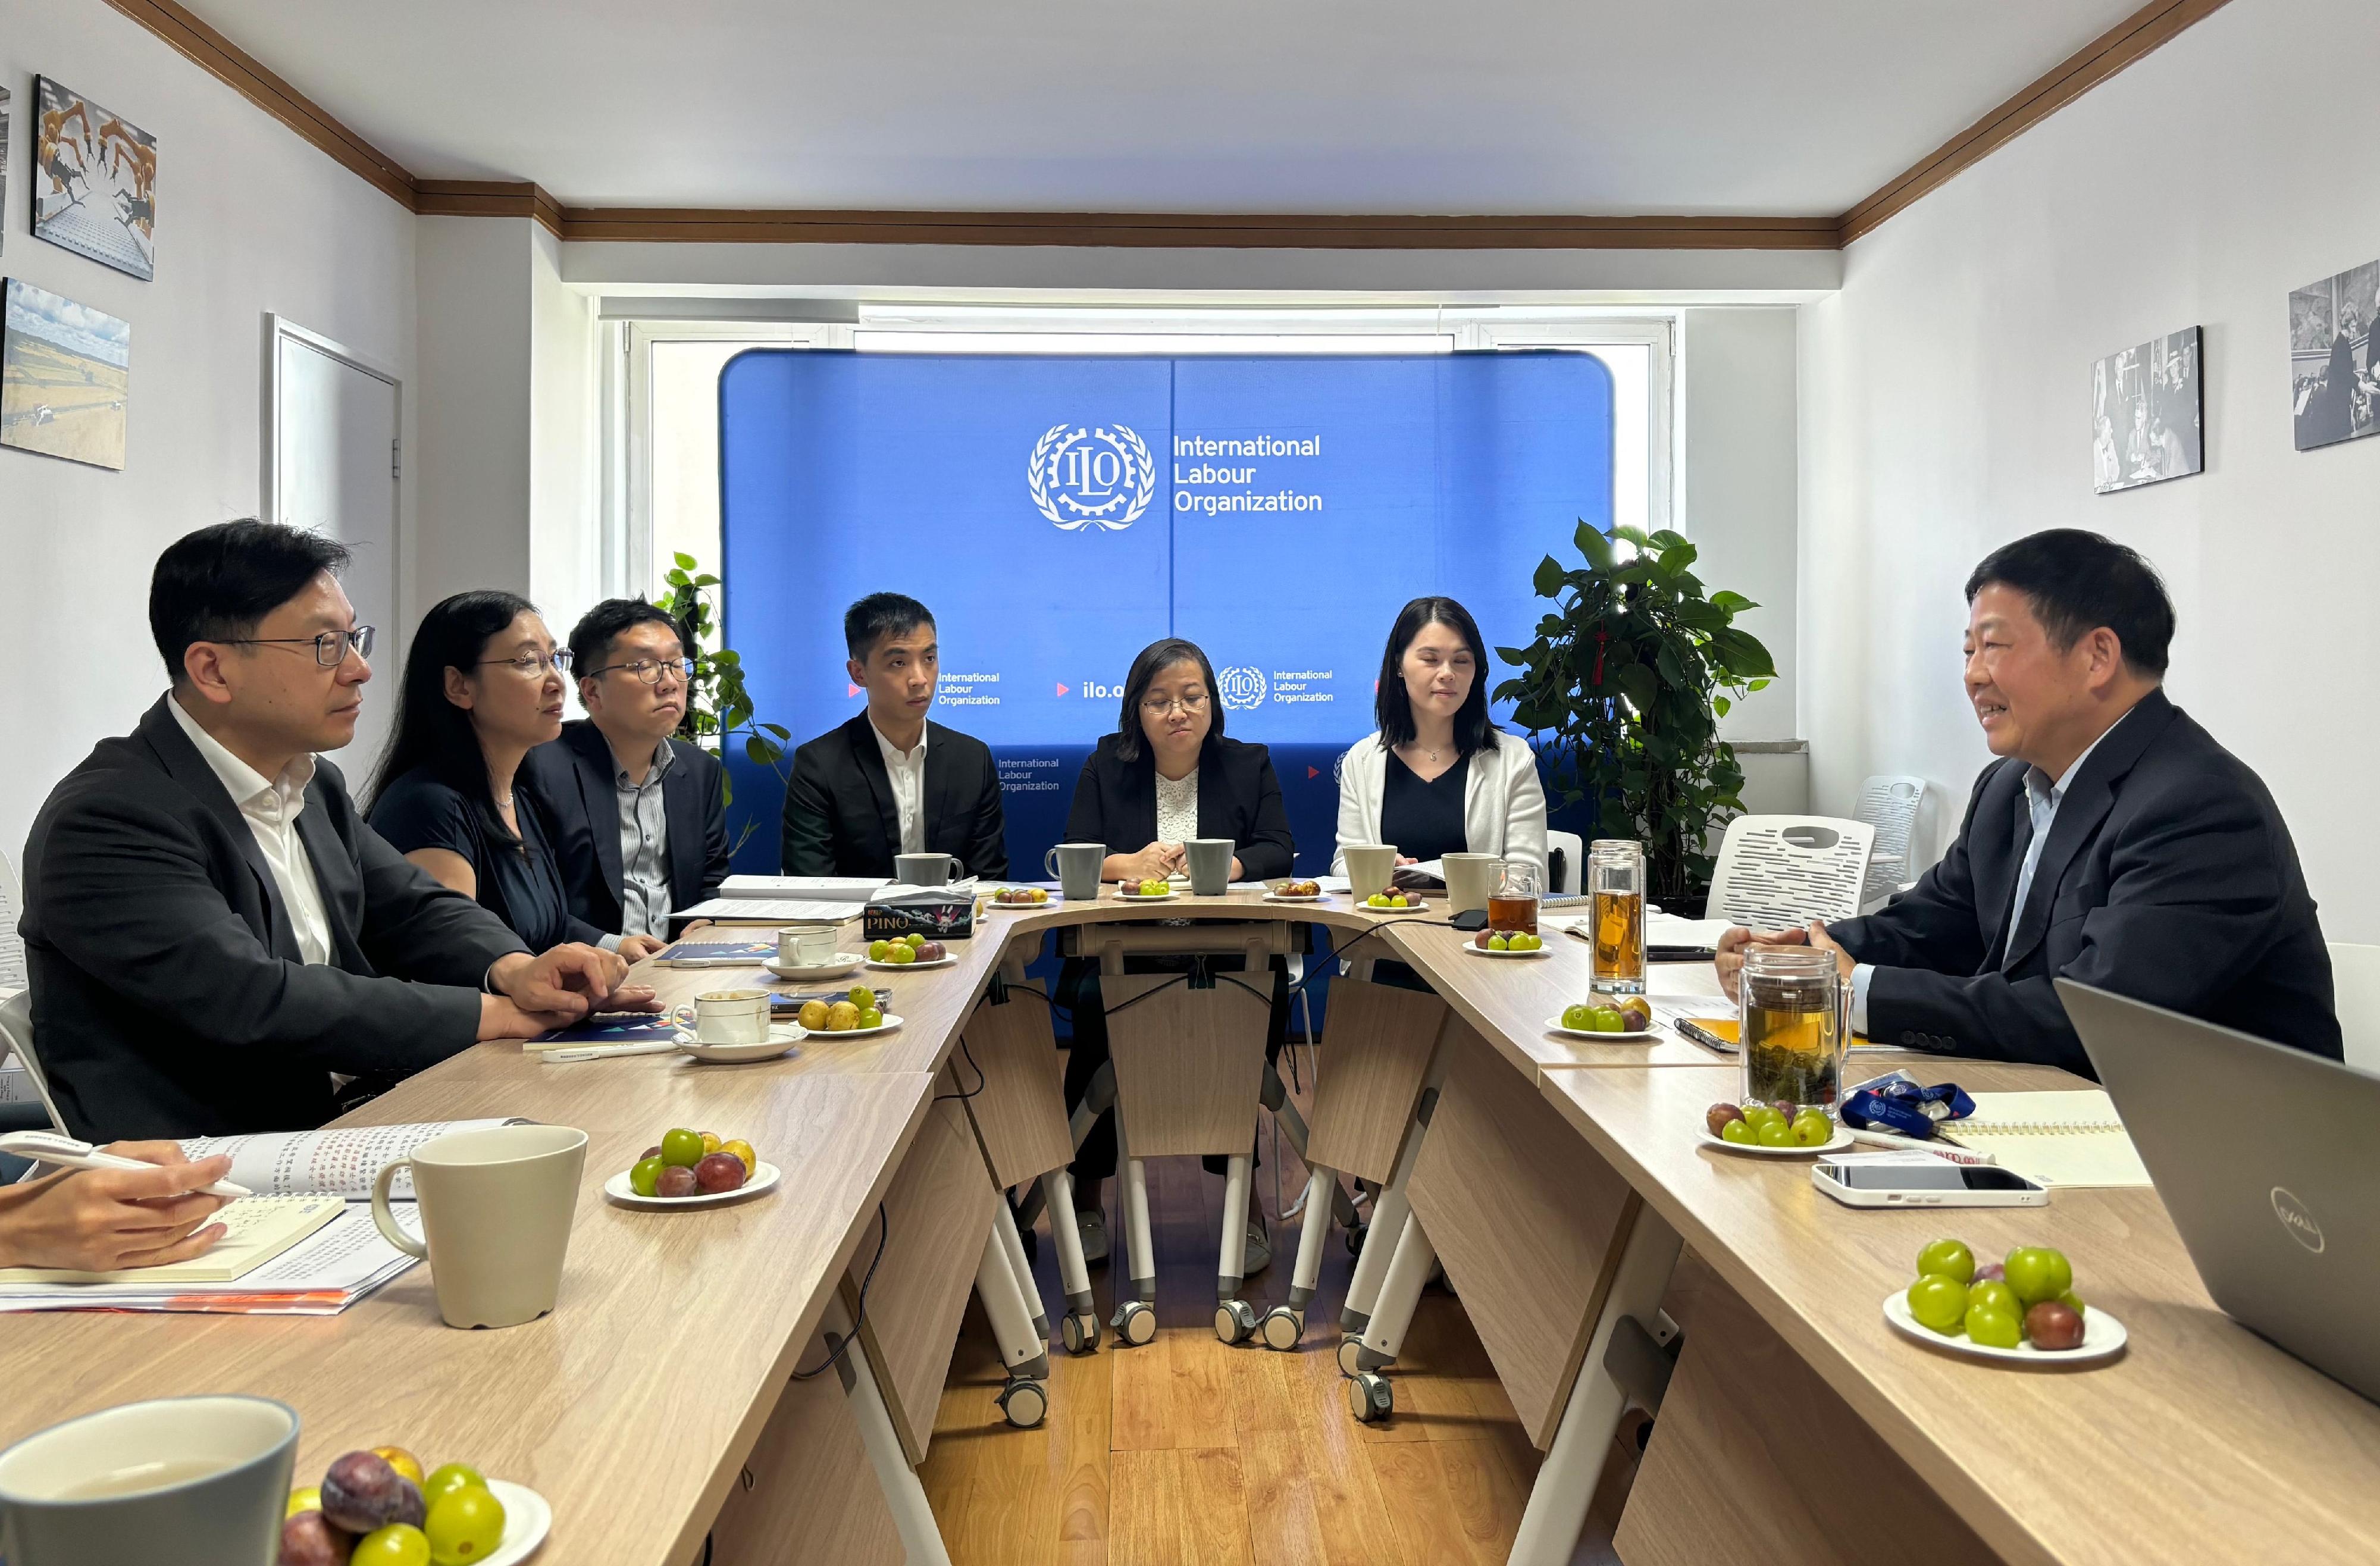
(2055, 1138)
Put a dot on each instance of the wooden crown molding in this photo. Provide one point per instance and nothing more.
(2150, 28)
(2129, 41)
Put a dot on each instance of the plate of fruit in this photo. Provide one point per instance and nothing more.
(1773, 1131)
(855, 1015)
(1505, 943)
(378, 1508)
(1149, 891)
(691, 1169)
(910, 951)
(1393, 902)
(1294, 891)
(1606, 1020)
(2021, 1308)
(1022, 897)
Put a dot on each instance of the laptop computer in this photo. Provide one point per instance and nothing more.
(2265, 1158)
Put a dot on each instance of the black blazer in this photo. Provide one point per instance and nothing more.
(2168, 876)
(1239, 797)
(169, 998)
(573, 778)
(839, 815)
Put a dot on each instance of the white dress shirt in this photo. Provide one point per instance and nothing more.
(2041, 800)
(272, 808)
(908, 771)
(643, 848)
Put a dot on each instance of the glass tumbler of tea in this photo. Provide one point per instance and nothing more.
(1615, 880)
(1513, 904)
(1796, 1024)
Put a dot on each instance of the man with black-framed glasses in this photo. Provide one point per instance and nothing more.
(638, 816)
(216, 941)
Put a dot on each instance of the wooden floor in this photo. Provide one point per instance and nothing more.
(1188, 1452)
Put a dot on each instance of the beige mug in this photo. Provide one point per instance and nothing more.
(1370, 867)
(495, 1207)
(1470, 879)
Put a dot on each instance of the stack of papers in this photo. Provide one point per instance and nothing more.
(321, 1275)
(783, 899)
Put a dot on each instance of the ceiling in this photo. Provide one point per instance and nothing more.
(1737, 108)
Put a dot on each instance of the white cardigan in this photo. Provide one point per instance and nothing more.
(1503, 804)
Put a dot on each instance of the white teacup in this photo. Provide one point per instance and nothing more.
(805, 946)
(732, 1016)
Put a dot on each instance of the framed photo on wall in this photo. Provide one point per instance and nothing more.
(94, 181)
(3, 165)
(2147, 415)
(65, 377)
(2334, 357)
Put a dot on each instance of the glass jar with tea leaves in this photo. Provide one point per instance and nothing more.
(1796, 1024)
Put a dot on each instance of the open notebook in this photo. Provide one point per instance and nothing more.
(2073, 1138)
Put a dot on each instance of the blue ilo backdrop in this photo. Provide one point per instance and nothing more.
(1057, 514)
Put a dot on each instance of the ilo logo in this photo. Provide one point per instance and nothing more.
(1094, 478)
(2296, 1219)
(1240, 687)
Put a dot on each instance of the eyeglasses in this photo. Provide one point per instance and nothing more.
(330, 649)
(533, 664)
(1158, 706)
(646, 670)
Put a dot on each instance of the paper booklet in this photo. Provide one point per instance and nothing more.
(321, 1274)
(341, 1161)
(770, 910)
(716, 953)
(816, 889)
(613, 1028)
(2073, 1139)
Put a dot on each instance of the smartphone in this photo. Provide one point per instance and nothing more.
(1932, 1184)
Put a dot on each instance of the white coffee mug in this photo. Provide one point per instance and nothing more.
(732, 1016)
(805, 946)
(1370, 866)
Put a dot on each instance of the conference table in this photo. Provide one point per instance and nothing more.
(657, 1409)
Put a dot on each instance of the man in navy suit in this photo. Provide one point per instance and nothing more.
(2114, 842)
(639, 818)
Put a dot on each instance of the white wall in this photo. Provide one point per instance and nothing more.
(565, 539)
(473, 471)
(250, 220)
(1946, 408)
(1739, 460)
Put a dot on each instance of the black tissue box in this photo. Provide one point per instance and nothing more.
(941, 918)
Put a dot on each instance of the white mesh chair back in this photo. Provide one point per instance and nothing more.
(1573, 853)
(2355, 982)
(12, 945)
(16, 1041)
(1890, 804)
(1780, 872)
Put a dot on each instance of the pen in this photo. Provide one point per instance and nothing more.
(605, 1051)
(50, 1148)
(1939, 1149)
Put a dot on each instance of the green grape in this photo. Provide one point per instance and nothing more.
(1578, 1019)
(1994, 1328)
(915, 939)
(1938, 1302)
(1739, 1132)
(1950, 1259)
(1609, 1020)
(682, 1148)
(399, 1544)
(464, 1525)
(2071, 1301)
(644, 1180)
(876, 949)
(1994, 1295)
(455, 1475)
(1499, 943)
(1813, 1131)
(871, 1018)
(2038, 1274)
(1774, 1133)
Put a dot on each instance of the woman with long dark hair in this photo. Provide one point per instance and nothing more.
(1167, 774)
(483, 683)
(1438, 777)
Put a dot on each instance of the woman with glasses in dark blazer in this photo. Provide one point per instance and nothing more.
(1166, 775)
(482, 685)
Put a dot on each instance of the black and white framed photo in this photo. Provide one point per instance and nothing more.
(2333, 363)
(94, 181)
(2147, 414)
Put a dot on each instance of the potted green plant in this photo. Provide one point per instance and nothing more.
(718, 708)
(1623, 691)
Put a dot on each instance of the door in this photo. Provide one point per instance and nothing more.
(332, 466)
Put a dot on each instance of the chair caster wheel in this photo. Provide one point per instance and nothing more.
(1355, 1232)
(1349, 1347)
(1079, 1331)
(1235, 1321)
(1023, 1402)
(1134, 1322)
(1282, 1328)
(1370, 1398)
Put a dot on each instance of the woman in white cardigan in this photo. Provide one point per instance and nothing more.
(1438, 777)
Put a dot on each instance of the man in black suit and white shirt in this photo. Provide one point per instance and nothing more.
(211, 930)
(2114, 843)
(637, 818)
(889, 781)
